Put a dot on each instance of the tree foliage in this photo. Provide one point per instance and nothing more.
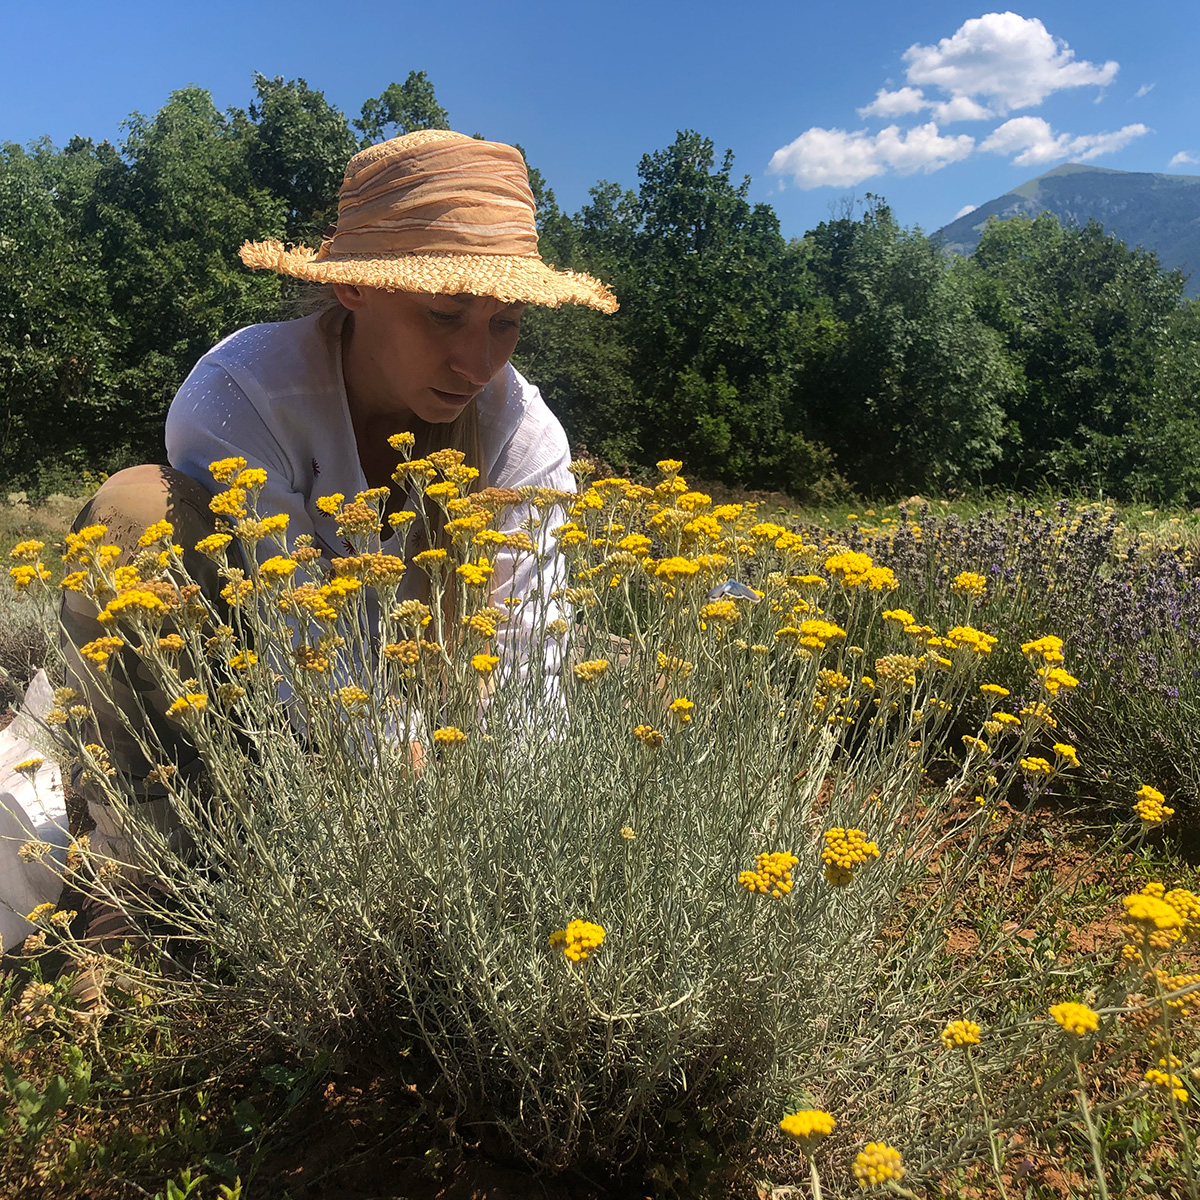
(857, 355)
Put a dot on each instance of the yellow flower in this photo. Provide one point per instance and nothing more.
(591, 670)
(397, 519)
(226, 469)
(877, 1163)
(1048, 648)
(27, 551)
(41, 913)
(330, 505)
(1066, 754)
(231, 503)
(214, 545)
(669, 466)
(430, 560)
(1151, 805)
(820, 632)
(26, 573)
(136, 602)
(243, 660)
(808, 1125)
(993, 689)
(962, 636)
(251, 478)
(648, 736)
(968, 583)
(1168, 1081)
(276, 568)
(845, 851)
(672, 569)
(475, 574)
(720, 610)
(188, 705)
(99, 651)
(975, 745)
(1055, 678)
(901, 616)
(449, 735)
(158, 532)
(402, 441)
(772, 874)
(579, 939)
(681, 709)
(960, 1034)
(1036, 766)
(29, 767)
(485, 663)
(1076, 1019)
(353, 698)
(627, 833)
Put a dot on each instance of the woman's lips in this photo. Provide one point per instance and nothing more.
(459, 398)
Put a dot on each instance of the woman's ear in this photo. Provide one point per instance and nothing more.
(349, 295)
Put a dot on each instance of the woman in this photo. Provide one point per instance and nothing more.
(432, 260)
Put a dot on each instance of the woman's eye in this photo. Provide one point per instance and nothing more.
(443, 318)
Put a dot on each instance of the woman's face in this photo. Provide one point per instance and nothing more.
(412, 354)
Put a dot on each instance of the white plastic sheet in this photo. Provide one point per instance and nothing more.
(30, 810)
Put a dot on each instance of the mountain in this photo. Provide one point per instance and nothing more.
(1159, 212)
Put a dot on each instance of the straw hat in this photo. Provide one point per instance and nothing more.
(435, 211)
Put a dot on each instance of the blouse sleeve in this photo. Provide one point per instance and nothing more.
(212, 418)
(537, 456)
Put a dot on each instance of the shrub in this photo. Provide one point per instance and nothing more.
(672, 853)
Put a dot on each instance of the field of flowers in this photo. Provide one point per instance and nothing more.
(752, 855)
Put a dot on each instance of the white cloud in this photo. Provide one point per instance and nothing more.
(1183, 158)
(1008, 60)
(895, 104)
(961, 108)
(966, 208)
(1144, 90)
(1033, 142)
(834, 158)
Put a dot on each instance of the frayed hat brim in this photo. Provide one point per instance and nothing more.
(508, 278)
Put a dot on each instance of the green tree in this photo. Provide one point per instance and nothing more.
(297, 151)
(168, 215)
(1086, 319)
(403, 108)
(58, 338)
(905, 384)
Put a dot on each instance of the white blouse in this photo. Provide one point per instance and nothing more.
(275, 395)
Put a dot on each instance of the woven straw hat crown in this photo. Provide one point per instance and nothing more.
(436, 211)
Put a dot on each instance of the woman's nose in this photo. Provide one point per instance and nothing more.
(471, 356)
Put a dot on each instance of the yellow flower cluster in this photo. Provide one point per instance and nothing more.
(958, 1035)
(1151, 806)
(772, 874)
(845, 851)
(1036, 766)
(449, 735)
(808, 1125)
(1076, 1019)
(853, 569)
(967, 637)
(1167, 1080)
(591, 670)
(579, 939)
(648, 736)
(968, 583)
(190, 705)
(681, 709)
(1048, 649)
(878, 1163)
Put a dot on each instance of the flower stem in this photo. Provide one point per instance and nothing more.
(987, 1123)
(816, 1179)
(1101, 1183)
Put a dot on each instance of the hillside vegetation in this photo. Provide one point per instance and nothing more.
(857, 358)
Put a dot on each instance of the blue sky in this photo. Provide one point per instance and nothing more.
(935, 106)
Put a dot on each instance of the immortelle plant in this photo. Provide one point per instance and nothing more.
(672, 850)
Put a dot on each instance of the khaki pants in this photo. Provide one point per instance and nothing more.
(128, 503)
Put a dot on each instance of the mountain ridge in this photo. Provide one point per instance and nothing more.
(1155, 210)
